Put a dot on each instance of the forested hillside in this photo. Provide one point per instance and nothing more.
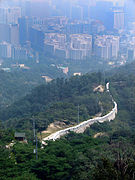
(18, 82)
(105, 151)
(59, 101)
(15, 85)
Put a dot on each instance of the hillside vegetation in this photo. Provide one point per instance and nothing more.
(105, 151)
(58, 101)
(15, 85)
(18, 82)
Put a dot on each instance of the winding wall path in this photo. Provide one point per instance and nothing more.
(80, 128)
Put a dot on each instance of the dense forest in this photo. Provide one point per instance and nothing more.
(58, 101)
(16, 81)
(104, 151)
(15, 85)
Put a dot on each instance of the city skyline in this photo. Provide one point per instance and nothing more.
(77, 32)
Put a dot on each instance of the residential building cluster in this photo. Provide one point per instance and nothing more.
(131, 48)
(76, 46)
(106, 46)
(80, 46)
(13, 52)
(10, 33)
(69, 35)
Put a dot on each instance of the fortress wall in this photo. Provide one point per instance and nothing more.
(80, 128)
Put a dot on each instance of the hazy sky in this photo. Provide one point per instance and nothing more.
(119, 2)
(69, 0)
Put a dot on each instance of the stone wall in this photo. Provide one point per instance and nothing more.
(80, 128)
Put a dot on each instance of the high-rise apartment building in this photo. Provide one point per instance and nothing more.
(23, 30)
(13, 15)
(10, 15)
(3, 15)
(55, 43)
(14, 34)
(4, 32)
(80, 46)
(19, 52)
(119, 19)
(114, 47)
(106, 46)
(5, 50)
(36, 37)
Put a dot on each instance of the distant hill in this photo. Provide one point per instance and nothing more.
(15, 85)
(18, 82)
(127, 69)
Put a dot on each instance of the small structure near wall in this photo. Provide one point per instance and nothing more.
(20, 136)
(47, 78)
(77, 74)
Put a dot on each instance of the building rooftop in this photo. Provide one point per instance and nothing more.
(17, 134)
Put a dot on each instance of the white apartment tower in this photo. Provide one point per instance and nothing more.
(5, 50)
(106, 46)
(118, 19)
(9, 15)
(14, 34)
(80, 46)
